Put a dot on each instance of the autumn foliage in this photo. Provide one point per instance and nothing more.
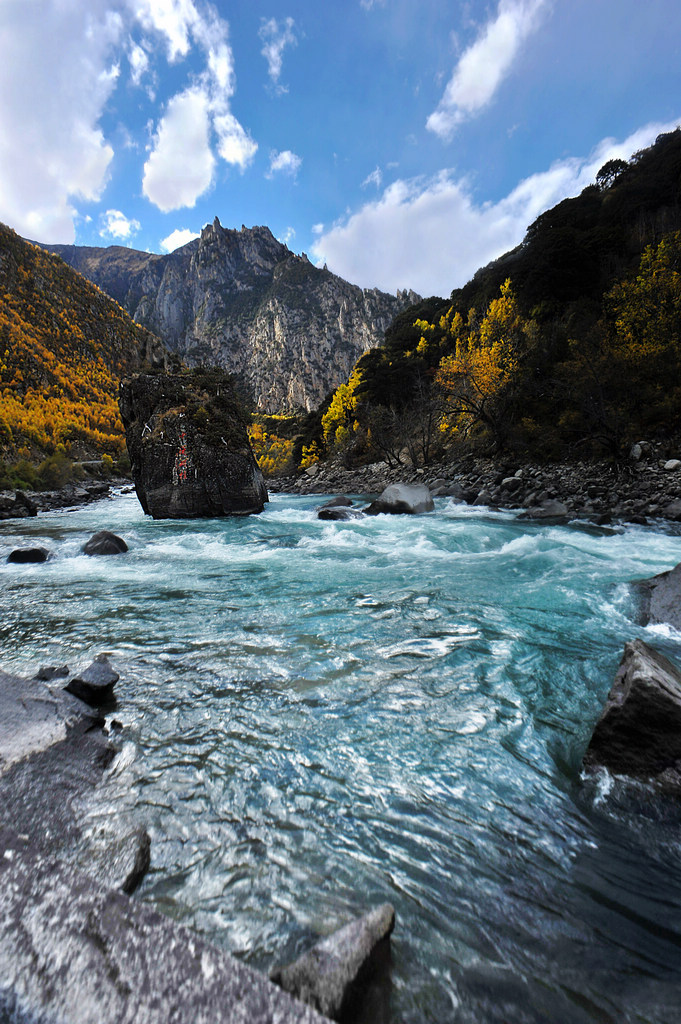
(64, 345)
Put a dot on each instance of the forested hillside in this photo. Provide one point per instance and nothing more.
(64, 345)
(569, 343)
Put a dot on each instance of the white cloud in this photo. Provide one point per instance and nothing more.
(276, 38)
(285, 162)
(56, 74)
(375, 178)
(139, 62)
(176, 238)
(431, 235)
(114, 224)
(368, 4)
(317, 229)
(288, 236)
(484, 65)
(181, 165)
(235, 145)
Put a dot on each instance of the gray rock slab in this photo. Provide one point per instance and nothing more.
(34, 716)
(73, 951)
(660, 598)
(549, 509)
(329, 975)
(639, 730)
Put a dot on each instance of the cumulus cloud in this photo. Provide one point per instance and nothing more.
(114, 224)
(60, 63)
(285, 162)
(53, 88)
(484, 65)
(180, 167)
(275, 38)
(176, 238)
(432, 235)
(235, 145)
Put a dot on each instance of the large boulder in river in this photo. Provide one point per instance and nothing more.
(402, 499)
(188, 446)
(639, 731)
(661, 598)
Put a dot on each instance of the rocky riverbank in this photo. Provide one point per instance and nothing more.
(646, 486)
(26, 504)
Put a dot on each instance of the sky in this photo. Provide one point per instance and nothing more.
(404, 143)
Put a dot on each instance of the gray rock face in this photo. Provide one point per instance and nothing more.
(332, 974)
(661, 598)
(402, 499)
(639, 731)
(103, 957)
(241, 300)
(104, 543)
(189, 450)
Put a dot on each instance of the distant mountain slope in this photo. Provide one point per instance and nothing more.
(64, 345)
(241, 300)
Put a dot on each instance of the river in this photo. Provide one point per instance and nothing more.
(319, 717)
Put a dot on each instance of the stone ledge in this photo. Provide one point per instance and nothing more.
(73, 951)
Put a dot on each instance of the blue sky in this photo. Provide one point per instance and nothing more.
(403, 142)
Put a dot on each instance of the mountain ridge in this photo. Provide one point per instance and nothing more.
(240, 299)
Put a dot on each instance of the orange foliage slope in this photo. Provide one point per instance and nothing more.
(64, 346)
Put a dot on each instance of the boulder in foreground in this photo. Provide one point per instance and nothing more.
(661, 598)
(188, 446)
(331, 976)
(402, 499)
(639, 731)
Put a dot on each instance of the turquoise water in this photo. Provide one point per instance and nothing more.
(319, 717)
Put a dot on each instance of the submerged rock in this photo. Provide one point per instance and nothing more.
(402, 499)
(639, 731)
(24, 556)
(104, 543)
(188, 446)
(331, 976)
(661, 598)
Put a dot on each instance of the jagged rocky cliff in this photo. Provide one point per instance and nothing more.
(241, 300)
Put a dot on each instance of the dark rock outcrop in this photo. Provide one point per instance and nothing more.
(48, 672)
(25, 556)
(402, 499)
(104, 543)
(18, 507)
(189, 450)
(95, 686)
(639, 731)
(660, 598)
(332, 975)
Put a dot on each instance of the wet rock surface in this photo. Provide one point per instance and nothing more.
(639, 730)
(95, 685)
(190, 453)
(660, 598)
(72, 950)
(26, 556)
(104, 543)
(335, 974)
